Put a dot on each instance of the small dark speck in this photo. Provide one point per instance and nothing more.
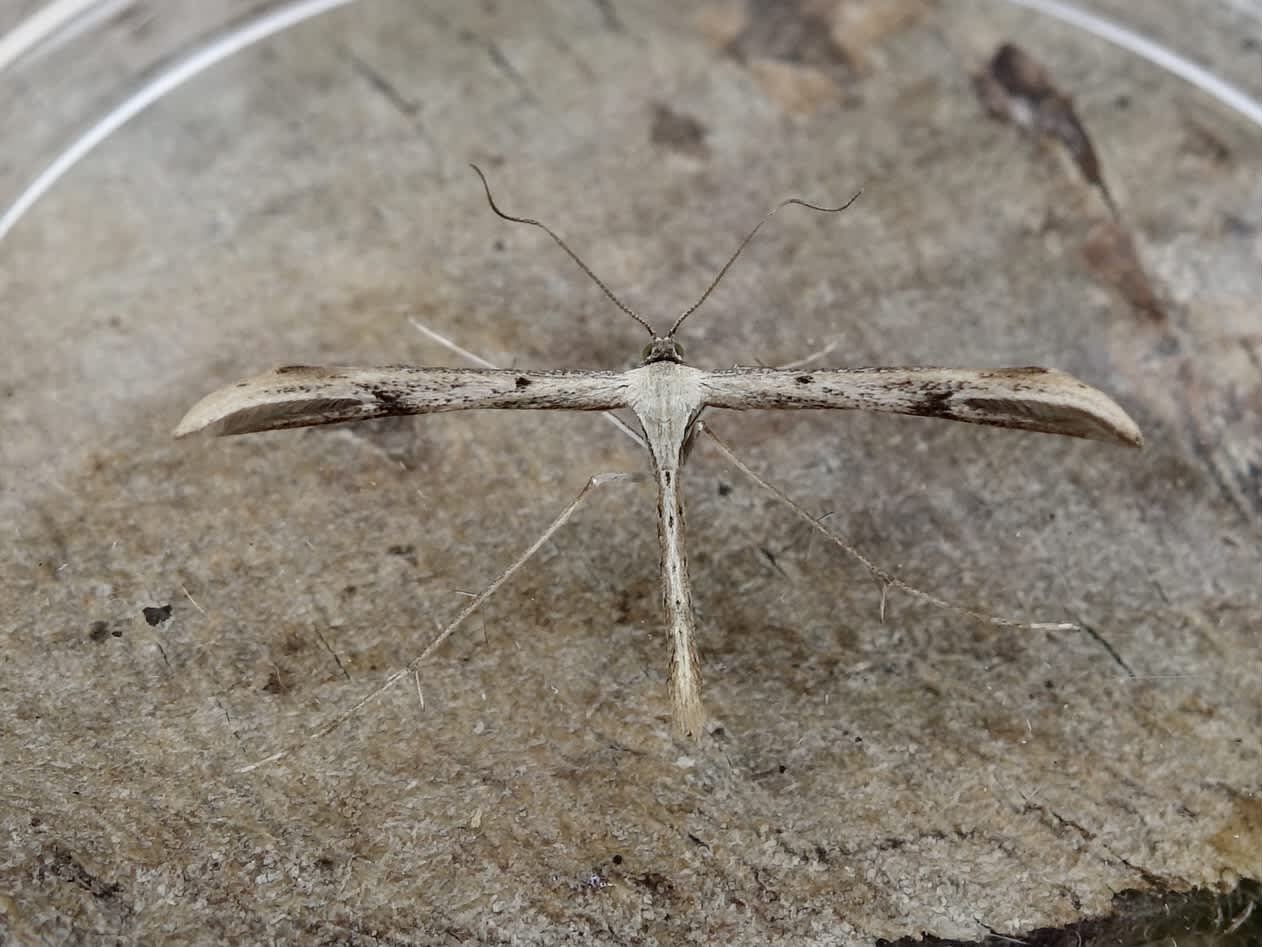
(617, 859)
(407, 552)
(656, 882)
(498, 246)
(679, 132)
(523, 381)
(155, 615)
(666, 477)
(274, 684)
(782, 768)
(804, 379)
(99, 630)
(697, 841)
(1122, 101)
(724, 489)
(1235, 226)
(1249, 44)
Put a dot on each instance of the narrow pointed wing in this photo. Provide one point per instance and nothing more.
(300, 395)
(1033, 399)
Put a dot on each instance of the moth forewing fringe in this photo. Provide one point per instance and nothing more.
(667, 398)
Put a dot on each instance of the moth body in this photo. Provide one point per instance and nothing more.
(667, 398)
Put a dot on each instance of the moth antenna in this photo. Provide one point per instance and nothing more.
(748, 237)
(561, 243)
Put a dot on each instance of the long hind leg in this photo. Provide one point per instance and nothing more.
(888, 579)
(474, 604)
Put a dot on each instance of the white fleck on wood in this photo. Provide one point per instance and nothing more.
(667, 398)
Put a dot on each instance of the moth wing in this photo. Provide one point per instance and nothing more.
(302, 395)
(1031, 399)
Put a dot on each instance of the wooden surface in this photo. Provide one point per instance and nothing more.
(304, 199)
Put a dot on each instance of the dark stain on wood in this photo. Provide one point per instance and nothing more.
(790, 31)
(1015, 87)
(156, 614)
(678, 132)
(1110, 254)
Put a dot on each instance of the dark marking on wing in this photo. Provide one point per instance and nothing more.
(386, 396)
(291, 414)
(523, 382)
(804, 379)
(1028, 415)
(1028, 370)
(998, 406)
(934, 403)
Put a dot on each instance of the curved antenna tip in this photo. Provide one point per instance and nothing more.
(750, 236)
(562, 244)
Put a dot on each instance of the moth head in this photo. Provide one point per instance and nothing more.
(663, 350)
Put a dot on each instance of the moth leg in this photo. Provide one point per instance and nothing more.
(888, 579)
(811, 359)
(474, 604)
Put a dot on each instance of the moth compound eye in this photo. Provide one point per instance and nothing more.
(647, 349)
(679, 349)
